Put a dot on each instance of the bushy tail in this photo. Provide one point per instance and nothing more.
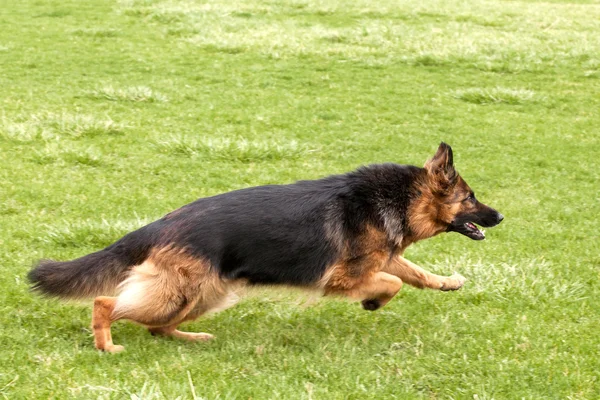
(88, 276)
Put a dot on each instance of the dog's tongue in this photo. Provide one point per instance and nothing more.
(473, 227)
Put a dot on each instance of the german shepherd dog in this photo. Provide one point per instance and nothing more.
(343, 235)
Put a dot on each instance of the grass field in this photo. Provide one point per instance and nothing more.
(115, 113)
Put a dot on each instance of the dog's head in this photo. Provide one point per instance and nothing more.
(447, 203)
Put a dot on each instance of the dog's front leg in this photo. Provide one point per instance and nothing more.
(416, 276)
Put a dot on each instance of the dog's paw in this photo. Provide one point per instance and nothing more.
(454, 282)
(370, 304)
(113, 348)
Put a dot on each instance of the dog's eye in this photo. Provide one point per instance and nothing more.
(470, 198)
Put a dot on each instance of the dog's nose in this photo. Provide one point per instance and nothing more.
(500, 217)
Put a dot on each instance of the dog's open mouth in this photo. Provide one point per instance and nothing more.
(469, 229)
(473, 232)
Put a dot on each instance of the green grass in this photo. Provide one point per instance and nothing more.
(495, 95)
(115, 113)
(135, 94)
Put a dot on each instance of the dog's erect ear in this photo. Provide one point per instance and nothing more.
(441, 167)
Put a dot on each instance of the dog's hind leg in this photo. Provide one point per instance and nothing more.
(101, 320)
(211, 301)
(145, 300)
(416, 276)
(173, 331)
(165, 290)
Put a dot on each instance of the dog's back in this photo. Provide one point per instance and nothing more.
(266, 234)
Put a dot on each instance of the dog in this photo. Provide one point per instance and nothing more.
(344, 235)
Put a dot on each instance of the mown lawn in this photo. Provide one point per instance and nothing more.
(115, 113)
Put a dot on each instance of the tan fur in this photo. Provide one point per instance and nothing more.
(378, 286)
(170, 287)
(416, 276)
(355, 274)
(424, 217)
(350, 274)
(101, 320)
(430, 214)
(172, 331)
